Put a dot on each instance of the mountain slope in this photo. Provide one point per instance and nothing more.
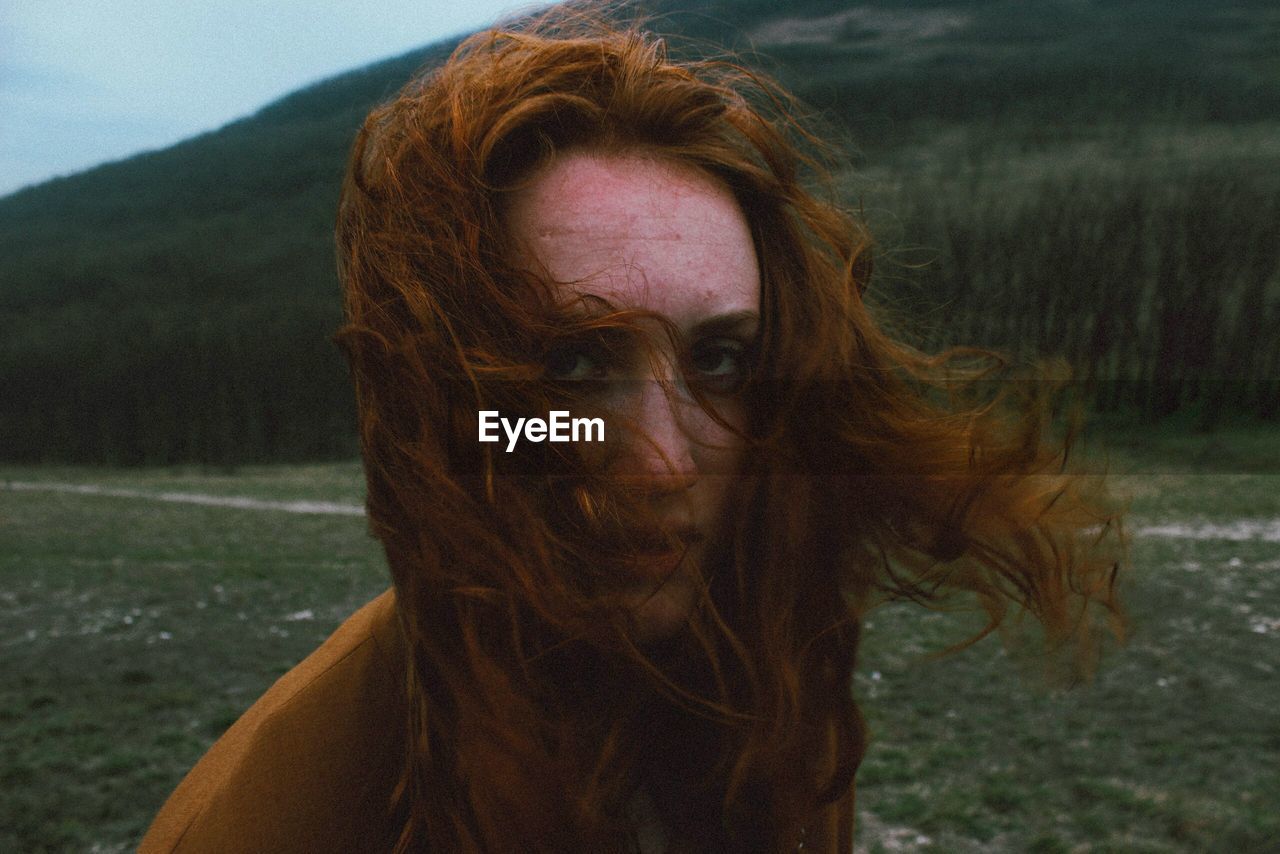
(177, 305)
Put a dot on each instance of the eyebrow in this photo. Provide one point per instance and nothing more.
(734, 321)
(729, 322)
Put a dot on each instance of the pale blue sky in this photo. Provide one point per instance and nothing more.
(87, 81)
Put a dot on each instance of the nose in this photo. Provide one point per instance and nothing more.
(657, 451)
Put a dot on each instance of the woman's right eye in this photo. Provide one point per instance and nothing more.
(574, 364)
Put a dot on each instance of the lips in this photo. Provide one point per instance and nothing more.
(657, 554)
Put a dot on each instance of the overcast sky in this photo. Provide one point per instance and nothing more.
(86, 81)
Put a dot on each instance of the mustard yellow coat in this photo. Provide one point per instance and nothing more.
(311, 766)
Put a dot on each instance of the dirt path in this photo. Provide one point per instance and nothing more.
(236, 501)
(1237, 530)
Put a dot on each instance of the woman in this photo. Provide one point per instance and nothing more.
(641, 640)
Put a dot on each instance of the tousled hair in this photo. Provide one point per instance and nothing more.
(877, 472)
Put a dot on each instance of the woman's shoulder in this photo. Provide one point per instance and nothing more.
(312, 764)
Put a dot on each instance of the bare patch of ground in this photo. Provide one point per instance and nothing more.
(863, 24)
(1239, 530)
(887, 837)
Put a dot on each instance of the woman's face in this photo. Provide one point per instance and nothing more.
(651, 234)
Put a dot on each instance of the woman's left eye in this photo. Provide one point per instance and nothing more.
(720, 363)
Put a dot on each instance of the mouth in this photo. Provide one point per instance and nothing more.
(658, 553)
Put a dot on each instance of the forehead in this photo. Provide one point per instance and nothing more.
(638, 231)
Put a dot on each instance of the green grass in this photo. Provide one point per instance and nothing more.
(135, 631)
(1173, 746)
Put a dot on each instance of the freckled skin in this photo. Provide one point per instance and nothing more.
(648, 233)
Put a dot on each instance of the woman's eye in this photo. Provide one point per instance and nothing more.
(574, 364)
(720, 363)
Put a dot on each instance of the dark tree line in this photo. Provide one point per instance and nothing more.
(1162, 291)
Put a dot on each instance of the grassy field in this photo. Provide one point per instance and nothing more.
(134, 631)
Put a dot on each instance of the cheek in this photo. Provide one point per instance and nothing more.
(716, 450)
(718, 457)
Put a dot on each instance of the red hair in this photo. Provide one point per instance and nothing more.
(873, 474)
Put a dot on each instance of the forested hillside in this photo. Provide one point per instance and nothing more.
(1099, 180)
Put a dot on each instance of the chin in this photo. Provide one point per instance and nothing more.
(660, 610)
